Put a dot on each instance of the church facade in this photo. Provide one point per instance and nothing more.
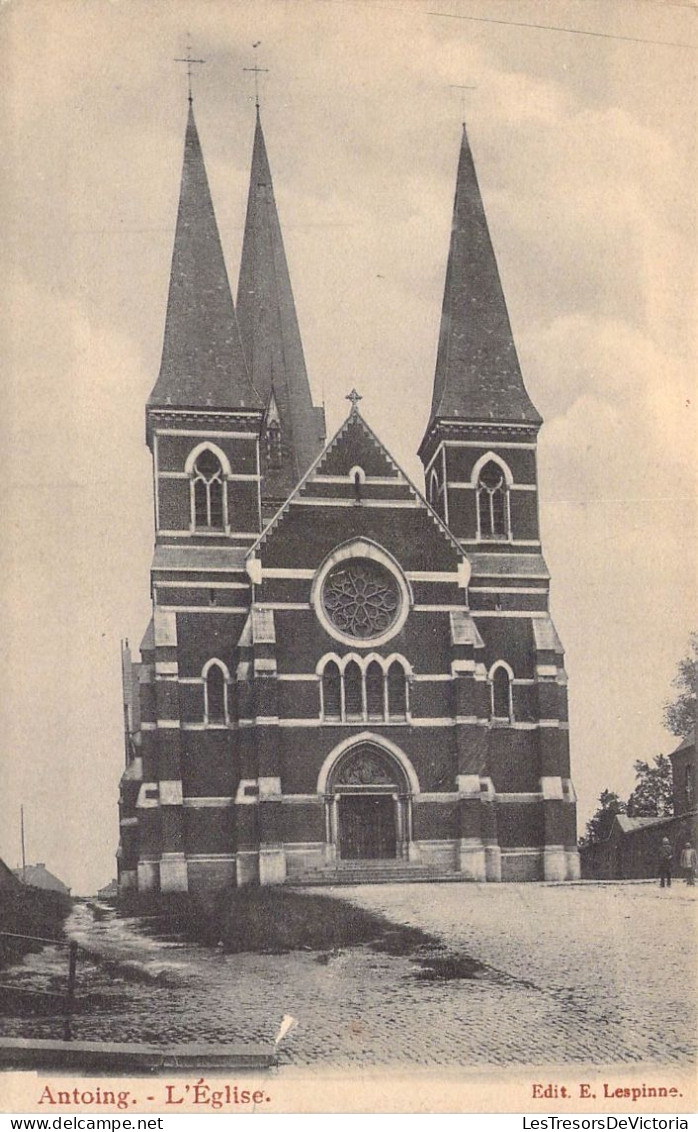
(343, 676)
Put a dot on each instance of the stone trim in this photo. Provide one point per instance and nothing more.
(315, 501)
(204, 608)
(461, 486)
(379, 741)
(204, 803)
(361, 548)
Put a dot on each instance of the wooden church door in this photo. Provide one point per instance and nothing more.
(367, 827)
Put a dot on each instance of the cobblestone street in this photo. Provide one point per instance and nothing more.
(579, 973)
(598, 972)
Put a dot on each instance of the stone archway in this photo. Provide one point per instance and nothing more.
(368, 805)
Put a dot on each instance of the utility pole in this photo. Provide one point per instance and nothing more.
(24, 858)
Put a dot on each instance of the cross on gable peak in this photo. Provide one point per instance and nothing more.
(354, 397)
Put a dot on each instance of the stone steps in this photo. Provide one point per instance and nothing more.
(398, 872)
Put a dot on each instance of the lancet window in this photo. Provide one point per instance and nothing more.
(434, 488)
(493, 502)
(332, 691)
(274, 449)
(436, 492)
(208, 488)
(397, 691)
(215, 693)
(375, 691)
(360, 689)
(353, 691)
(500, 691)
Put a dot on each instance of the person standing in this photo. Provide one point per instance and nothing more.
(688, 862)
(666, 854)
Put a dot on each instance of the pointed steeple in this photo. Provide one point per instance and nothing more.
(271, 336)
(203, 364)
(478, 377)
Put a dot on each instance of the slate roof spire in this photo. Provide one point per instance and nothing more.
(203, 364)
(270, 332)
(478, 377)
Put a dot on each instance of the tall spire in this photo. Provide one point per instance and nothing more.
(478, 377)
(270, 333)
(202, 358)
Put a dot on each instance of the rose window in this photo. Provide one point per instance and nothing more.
(361, 598)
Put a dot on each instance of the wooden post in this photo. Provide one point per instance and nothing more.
(24, 859)
(70, 991)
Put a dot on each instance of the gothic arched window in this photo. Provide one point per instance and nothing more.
(375, 696)
(492, 502)
(353, 691)
(501, 693)
(359, 688)
(397, 691)
(215, 695)
(208, 487)
(434, 488)
(274, 450)
(331, 691)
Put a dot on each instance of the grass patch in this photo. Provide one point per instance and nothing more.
(272, 920)
(34, 912)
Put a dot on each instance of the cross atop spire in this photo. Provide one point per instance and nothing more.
(463, 87)
(354, 397)
(189, 62)
(256, 71)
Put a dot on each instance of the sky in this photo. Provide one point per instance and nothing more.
(585, 147)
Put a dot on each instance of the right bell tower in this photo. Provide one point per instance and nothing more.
(479, 457)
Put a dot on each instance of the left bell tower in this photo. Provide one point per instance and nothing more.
(203, 415)
(203, 421)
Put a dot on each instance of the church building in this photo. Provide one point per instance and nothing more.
(345, 677)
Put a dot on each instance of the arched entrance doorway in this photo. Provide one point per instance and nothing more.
(368, 805)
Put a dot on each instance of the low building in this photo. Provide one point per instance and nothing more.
(38, 876)
(631, 850)
(109, 892)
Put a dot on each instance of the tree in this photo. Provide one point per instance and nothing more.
(652, 796)
(599, 826)
(680, 713)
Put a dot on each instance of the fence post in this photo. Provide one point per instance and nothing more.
(70, 991)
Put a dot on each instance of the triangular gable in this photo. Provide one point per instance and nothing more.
(272, 415)
(355, 436)
(686, 744)
(359, 449)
